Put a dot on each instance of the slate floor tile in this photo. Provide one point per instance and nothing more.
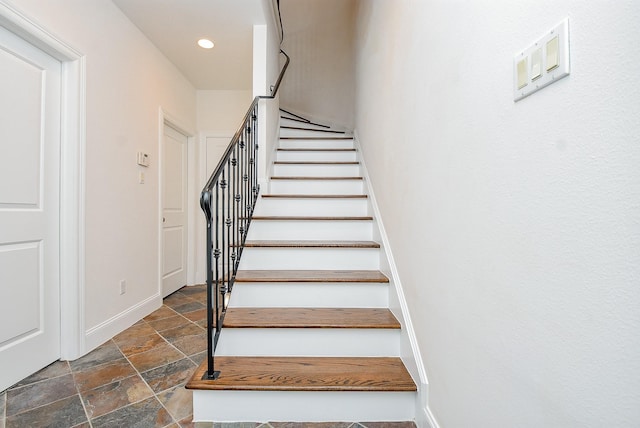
(165, 377)
(58, 368)
(177, 299)
(182, 331)
(108, 398)
(192, 345)
(388, 424)
(189, 307)
(67, 412)
(105, 374)
(134, 332)
(197, 315)
(137, 345)
(169, 323)
(39, 393)
(145, 414)
(161, 313)
(178, 401)
(161, 355)
(103, 354)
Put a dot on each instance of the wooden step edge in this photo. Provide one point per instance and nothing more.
(298, 178)
(363, 374)
(312, 276)
(316, 138)
(311, 318)
(314, 163)
(299, 196)
(299, 128)
(311, 244)
(316, 149)
(305, 218)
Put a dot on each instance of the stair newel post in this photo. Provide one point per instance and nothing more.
(205, 204)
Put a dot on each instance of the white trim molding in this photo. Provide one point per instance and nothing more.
(72, 175)
(167, 118)
(104, 331)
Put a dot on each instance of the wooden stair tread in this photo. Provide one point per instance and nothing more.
(297, 196)
(315, 163)
(376, 318)
(317, 150)
(311, 276)
(305, 218)
(299, 128)
(310, 244)
(315, 178)
(374, 374)
(317, 138)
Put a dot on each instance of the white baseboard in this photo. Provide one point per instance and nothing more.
(431, 421)
(104, 331)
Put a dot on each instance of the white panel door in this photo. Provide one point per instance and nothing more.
(174, 211)
(29, 209)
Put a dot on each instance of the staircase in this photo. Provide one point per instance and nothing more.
(308, 335)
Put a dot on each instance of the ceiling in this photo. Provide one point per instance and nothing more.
(175, 26)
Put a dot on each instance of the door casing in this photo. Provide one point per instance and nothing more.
(72, 178)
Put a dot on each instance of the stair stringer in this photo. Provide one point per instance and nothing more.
(409, 350)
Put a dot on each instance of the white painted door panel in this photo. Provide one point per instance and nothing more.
(174, 211)
(29, 208)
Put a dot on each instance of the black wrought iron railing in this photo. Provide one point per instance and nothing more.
(228, 200)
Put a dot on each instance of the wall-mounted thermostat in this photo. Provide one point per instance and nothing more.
(143, 159)
(543, 63)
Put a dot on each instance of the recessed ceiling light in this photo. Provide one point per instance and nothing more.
(205, 43)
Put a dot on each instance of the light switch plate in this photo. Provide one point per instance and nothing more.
(541, 56)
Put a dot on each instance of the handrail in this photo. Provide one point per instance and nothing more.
(228, 200)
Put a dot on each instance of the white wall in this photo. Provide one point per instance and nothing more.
(515, 226)
(128, 80)
(221, 112)
(318, 37)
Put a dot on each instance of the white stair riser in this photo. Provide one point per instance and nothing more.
(318, 187)
(308, 342)
(312, 207)
(302, 170)
(310, 295)
(317, 156)
(310, 259)
(308, 406)
(308, 132)
(360, 230)
(284, 121)
(302, 143)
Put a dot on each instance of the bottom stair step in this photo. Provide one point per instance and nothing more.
(304, 389)
(306, 374)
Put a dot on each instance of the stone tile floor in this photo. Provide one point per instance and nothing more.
(135, 380)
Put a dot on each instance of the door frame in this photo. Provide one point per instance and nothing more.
(173, 122)
(72, 175)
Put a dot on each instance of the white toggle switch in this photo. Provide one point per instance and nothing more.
(536, 64)
(523, 77)
(552, 54)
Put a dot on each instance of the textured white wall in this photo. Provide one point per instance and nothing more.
(128, 79)
(318, 37)
(515, 226)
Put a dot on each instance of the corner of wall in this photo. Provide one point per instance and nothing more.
(409, 350)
